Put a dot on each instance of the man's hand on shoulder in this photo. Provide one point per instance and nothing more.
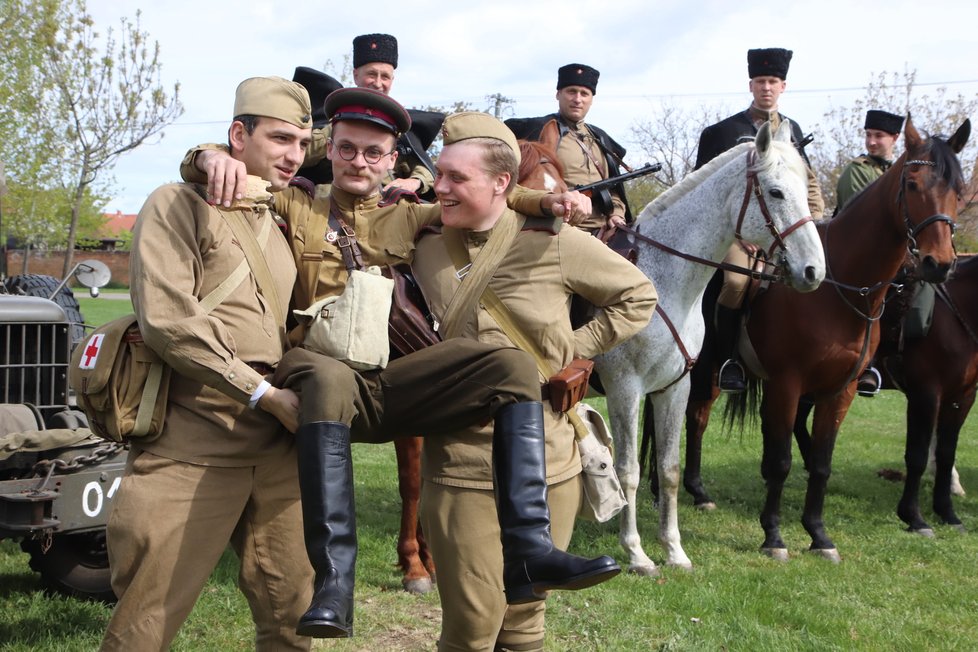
(227, 178)
(410, 184)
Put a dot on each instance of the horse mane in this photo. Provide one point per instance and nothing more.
(661, 203)
(532, 154)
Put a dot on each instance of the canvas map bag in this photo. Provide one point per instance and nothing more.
(352, 327)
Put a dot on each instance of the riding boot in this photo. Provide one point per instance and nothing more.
(732, 378)
(329, 526)
(869, 382)
(531, 563)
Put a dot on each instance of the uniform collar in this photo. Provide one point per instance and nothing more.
(348, 202)
(761, 116)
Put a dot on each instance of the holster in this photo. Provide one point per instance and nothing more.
(569, 385)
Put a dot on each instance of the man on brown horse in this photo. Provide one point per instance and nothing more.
(587, 153)
(882, 132)
(768, 70)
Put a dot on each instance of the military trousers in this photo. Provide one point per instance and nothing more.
(438, 390)
(170, 524)
(462, 531)
(734, 284)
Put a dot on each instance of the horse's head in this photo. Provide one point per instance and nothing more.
(931, 184)
(539, 168)
(774, 213)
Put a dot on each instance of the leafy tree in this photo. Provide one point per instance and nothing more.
(839, 138)
(110, 97)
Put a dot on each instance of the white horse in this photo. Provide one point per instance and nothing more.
(699, 216)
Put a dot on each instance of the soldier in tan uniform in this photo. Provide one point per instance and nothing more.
(587, 153)
(475, 172)
(223, 469)
(442, 389)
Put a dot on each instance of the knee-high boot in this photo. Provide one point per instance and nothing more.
(329, 525)
(732, 377)
(531, 563)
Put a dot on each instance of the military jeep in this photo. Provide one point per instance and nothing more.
(57, 480)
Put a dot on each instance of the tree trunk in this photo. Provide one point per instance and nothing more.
(76, 203)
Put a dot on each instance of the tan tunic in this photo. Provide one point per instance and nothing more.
(182, 249)
(585, 163)
(535, 281)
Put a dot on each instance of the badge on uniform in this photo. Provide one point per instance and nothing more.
(331, 236)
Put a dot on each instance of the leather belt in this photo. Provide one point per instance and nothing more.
(263, 368)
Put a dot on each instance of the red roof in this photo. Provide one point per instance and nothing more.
(116, 223)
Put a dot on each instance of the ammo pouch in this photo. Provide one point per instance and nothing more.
(568, 386)
(120, 383)
(603, 495)
(352, 327)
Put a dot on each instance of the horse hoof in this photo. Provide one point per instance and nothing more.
(923, 531)
(644, 570)
(777, 554)
(685, 565)
(419, 586)
(959, 527)
(830, 554)
(706, 507)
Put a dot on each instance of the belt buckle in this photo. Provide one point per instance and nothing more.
(460, 273)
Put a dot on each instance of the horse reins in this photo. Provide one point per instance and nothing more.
(912, 233)
(753, 188)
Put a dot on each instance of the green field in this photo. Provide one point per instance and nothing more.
(892, 591)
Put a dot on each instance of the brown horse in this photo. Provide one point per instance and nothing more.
(540, 170)
(938, 373)
(815, 345)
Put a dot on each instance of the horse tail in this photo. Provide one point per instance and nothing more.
(742, 409)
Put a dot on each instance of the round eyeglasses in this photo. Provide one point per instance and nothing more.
(371, 155)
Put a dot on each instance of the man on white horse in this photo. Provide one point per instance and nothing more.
(587, 153)
(768, 70)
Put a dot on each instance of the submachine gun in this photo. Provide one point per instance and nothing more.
(600, 191)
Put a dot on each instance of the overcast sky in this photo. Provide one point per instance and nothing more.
(683, 51)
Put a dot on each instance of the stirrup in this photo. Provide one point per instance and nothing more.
(734, 384)
(869, 382)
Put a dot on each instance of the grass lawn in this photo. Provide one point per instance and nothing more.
(892, 591)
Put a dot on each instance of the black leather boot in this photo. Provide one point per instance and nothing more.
(531, 563)
(329, 525)
(732, 378)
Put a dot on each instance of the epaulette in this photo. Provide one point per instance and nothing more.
(550, 224)
(304, 184)
(392, 194)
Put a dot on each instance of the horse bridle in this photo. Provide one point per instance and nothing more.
(912, 230)
(753, 188)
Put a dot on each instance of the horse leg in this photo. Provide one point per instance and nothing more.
(921, 420)
(669, 407)
(825, 428)
(778, 407)
(802, 435)
(647, 450)
(411, 547)
(623, 403)
(697, 419)
(956, 488)
(950, 420)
